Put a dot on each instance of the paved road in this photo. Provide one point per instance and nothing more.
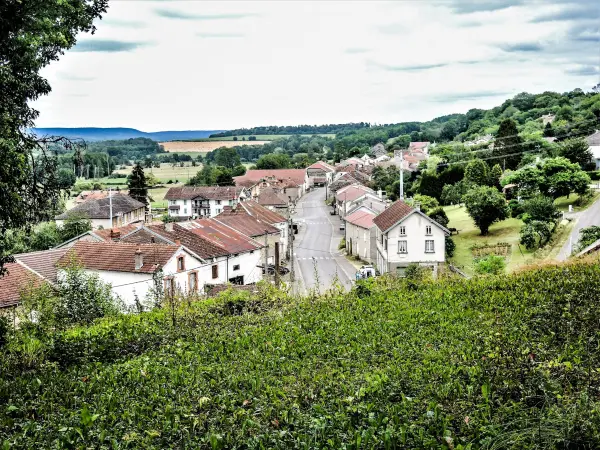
(584, 219)
(316, 244)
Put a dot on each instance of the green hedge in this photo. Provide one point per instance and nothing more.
(498, 362)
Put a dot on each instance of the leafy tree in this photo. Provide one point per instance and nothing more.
(45, 236)
(548, 130)
(540, 208)
(238, 171)
(274, 161)
(490, 265)
(562, 177)
(151, 180)
(223, 177)
(485, 205)
(507, 143)
(33, 34)
(75, 224)
(495, 175)
(439, 215)
(577, 151)
(535, 233)
(565, 113)
(227, 157)
(588, 236)
(450, 246)
(430, 185)
(425, 202)
(477, 172)
(66, 178)
(137, 184)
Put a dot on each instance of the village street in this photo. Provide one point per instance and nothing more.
(316, 246)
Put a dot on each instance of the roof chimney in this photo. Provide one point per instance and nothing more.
(418, 206)
(177, 242)
(139, 259)
(115, 235)
(169, 226)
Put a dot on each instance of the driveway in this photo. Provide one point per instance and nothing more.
(318, 259)
(583, 219)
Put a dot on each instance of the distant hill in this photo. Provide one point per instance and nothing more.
(103, 134)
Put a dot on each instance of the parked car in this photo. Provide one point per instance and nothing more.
(271, 270)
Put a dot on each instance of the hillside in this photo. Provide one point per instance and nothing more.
(103, 134)
(508, 362)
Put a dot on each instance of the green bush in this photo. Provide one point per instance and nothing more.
(439, 215)
(536, 233)
(482, 363)
(342, 244)
(516, 208)
(450, 246)
(3, 330)
(490, 265)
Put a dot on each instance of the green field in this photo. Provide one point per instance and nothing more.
(468, 235)
(166, 172)
(259, 137)
(489, 363)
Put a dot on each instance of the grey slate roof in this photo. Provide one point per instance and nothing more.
(99, 208)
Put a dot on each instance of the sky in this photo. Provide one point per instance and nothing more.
(182, 65)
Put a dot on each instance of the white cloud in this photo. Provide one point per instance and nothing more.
(234, 64)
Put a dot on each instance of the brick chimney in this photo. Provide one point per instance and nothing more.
(177, 242)
(169, 226)
(139, 259)
(115, 235)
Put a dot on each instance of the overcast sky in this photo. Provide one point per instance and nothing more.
(176, 65)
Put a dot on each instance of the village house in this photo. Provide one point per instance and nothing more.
(293, 183)
(273, 199)
(254, 220)
(419, 146)
(348, 194)
(131, 268)
(375, 202)
(125, 210)
(361, 234)
(320, 174)
(202, 201)
(406, 236)
(594, 142)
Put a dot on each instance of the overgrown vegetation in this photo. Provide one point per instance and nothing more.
(492, 362)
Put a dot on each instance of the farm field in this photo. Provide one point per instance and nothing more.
(260, 137)
(165, 173)
(203, 146)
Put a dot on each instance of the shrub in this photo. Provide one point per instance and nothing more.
(540, 208)
(450, 247)
(536, 233)
(588, 236)
(3, 330)
(516, 208)
(439, 215)
(490, 265)
(342, 244)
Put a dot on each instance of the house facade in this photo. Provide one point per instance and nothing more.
(292, 183)
(594, 146)
(320, 174)
(202, 201)
(346, 195)
(125, 210)
(405, 236)
(361, 234)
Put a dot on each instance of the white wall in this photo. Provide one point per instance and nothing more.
(390, 259)
(363, 242)
(186, 207)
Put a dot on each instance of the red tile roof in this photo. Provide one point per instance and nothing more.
(295, 175)
(323, 166)
(391, 216)
(43, 263)
(105, 234)
(221, 235)
(350, 193)
(202, 247)
(239, 219)
(118, 257)
(14, 281)
(363, 219)
(270, 197)
(415, 145)
(206, 192)
(262, 213)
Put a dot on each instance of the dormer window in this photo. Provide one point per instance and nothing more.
(428, 230)
(180, 264)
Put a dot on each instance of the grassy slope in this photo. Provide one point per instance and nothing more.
(393, 368)
(505, 231)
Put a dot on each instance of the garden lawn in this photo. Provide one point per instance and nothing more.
(562, 203)
(506, 231)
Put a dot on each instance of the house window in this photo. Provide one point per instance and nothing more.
(185, 202)
(402, 231)
(193, 281)
(170, 286)
(429, 248)
(236, 267)
(428, 230)
(215, 271)
(180, 263)
(185, 210)
(218, 210)
(218, 202)
(385, 244)
(402, 246)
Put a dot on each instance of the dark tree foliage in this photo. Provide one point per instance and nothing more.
(33, 33)
(300, 129)
(485, 205)
(224, 178)
(508, 145)
(137, 185)
(577, 151)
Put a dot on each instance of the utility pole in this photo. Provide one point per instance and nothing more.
(107, 165)
(110, 212)
(266, 255)
(291, 249)
(401, 175)
(277, 264)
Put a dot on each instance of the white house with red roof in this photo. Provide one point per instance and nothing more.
(420, 147)
(360, 234)
(406, 236)
(292, 183)
(202, 201)
(348, 194)
(320, 173)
